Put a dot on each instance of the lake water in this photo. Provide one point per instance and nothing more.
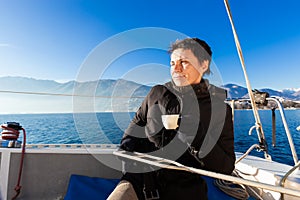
(97, 128)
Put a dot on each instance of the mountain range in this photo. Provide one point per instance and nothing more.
(26, 95)
(236, 91)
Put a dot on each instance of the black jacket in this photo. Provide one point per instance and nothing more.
(205, 125)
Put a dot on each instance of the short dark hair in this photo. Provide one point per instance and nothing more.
(199, 48)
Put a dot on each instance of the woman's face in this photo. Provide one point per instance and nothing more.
(186, 68)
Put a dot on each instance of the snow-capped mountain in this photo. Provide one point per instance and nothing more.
(236, 91)
(16, 95)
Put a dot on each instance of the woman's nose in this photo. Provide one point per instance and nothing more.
(178, 66)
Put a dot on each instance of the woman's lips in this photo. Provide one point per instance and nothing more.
(178, 76)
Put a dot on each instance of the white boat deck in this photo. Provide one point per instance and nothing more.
(276, 168)
(47, 170)
(269, 172)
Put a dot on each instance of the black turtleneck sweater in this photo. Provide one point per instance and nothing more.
(205, 125)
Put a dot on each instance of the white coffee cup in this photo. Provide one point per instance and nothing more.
(170, 121)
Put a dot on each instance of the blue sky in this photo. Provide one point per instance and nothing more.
(51, 39)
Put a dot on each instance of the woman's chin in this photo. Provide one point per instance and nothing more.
(180, 82)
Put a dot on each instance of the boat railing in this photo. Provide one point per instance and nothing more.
(72, 146)
(283, 118)
(284, 178)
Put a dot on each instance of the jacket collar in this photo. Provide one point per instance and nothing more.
(200, 88)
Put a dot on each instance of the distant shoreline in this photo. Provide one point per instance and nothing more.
(54, 113)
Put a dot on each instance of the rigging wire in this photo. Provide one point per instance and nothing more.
(70, 95)
(169, 164)
(258, 124)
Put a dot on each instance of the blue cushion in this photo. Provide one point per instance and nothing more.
(91, 188)
(88, 188)
(214, 193)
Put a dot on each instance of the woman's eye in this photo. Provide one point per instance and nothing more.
(184, 62)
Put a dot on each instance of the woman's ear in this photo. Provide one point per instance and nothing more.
(204, 66)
